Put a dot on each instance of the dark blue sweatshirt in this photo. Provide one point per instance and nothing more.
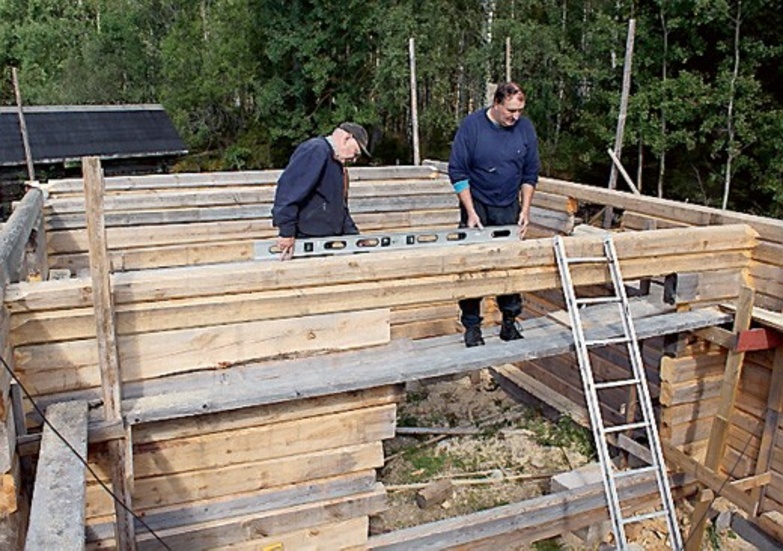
(495, 160)
(310, 200)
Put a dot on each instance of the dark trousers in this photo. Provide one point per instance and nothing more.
(510, 305)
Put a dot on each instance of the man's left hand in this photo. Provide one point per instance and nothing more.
(523, 223)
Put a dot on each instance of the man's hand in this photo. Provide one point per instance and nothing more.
(524, 222)
(474, 221)
(286, 246)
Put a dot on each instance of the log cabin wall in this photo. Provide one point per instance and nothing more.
(179, 311)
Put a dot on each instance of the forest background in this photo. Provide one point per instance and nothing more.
(246, 80)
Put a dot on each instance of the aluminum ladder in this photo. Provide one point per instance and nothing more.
(637, 381)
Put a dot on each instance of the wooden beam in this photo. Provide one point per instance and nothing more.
(400, 361)
(523, 523)
(108, 358)
(769, 438)
(525, 265)
(57, 512)
(16, 233)
(716, 445)
(720, 484)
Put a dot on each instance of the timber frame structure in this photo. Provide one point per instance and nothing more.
(241, 403)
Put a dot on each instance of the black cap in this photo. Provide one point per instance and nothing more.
(359, 134)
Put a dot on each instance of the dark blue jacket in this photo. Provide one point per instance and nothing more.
(310, 200)
(495, 160)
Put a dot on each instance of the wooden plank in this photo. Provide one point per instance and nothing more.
(264, 501)
(524, 522)
(282, 521)
(717, 442)
(266, 442)
(271, 382)
(15, 234)
(773, 416)
(238, 195)
(768, 228)
(249, 177)
(718, 483)
(57, 512)
(527, 261)
(72, 365)
(347, 535)
(56, 221)
(107, 356)
(215, 482)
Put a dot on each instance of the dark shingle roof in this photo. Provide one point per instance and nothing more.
(62, 133)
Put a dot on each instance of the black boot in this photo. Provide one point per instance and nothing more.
(509, 330)
(473, 336)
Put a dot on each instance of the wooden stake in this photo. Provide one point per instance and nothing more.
(508, 59)
(108, 357)
(414, 102)
(618, 139)
(719, 433)
(23, 127)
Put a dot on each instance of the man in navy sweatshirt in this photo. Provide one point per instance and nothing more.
(311, 199)
(494, 170)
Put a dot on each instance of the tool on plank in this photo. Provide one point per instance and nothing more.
(370, 242)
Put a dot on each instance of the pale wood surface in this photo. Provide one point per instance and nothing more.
(57, 513)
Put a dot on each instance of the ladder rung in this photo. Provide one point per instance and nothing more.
(628, 426)
(604, 342)
(587, 259)
(631, 472)
(613, 384)
(646, 516)
(598, 300)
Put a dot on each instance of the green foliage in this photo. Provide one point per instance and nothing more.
(547, 545)
(246, 80)
(564, 433)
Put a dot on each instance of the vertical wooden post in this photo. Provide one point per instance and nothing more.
(772, 417)
(508, 59)
(716, 445)
(618, 139)
(23, 127)
(414, 103)
(108, 358)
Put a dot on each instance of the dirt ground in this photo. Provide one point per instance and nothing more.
(511, 458)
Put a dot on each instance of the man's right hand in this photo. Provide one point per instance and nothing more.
(474, 221)
(286, 246)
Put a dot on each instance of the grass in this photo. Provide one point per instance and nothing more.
(565, 433)
(547, 545)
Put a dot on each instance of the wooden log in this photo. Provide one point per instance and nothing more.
(217, 179)
(15, 235)
(768, 228)
(719, 433)
(771, 420)
(57, 512)
(349, 535)
(435, 493)
(523, 523)
(673, 250)
(282, 521)
(71, 365)
(249, 504)
(363, 369)
(216, 482)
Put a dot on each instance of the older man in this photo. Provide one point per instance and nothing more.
(494, 170)
(311, 199)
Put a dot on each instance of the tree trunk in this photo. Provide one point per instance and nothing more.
(730, 147)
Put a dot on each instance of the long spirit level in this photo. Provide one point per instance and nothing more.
(365, 243)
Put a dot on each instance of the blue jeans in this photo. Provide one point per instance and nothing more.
(510, 305)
